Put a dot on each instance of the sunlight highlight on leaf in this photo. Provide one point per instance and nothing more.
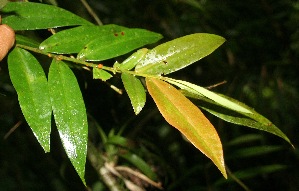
(178, 53)
(69, 113)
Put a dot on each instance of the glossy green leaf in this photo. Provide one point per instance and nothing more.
(23, 40)
(195, 89)
(135, 90)
(31, 16)
(188, 119)
(178, 53)
(253, 119)
(30, 82)
(69, 113)
(73, 40)
(132, 61)
(101, 74)
(116, 44)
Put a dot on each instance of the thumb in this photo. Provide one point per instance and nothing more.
(7, 39)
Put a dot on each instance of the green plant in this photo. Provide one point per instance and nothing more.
(85, 46)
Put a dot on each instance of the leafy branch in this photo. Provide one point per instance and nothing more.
(59, 92)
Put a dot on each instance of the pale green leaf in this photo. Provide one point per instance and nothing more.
(31, 16)
(69, 113)
(178, 53)
(30, 82)
(131, 62)
(195, 89)
(3, 3)
(253, 119)
(135, 90)
(99, 73)
(188, 119)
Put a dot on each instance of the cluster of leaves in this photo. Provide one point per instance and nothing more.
(86, 44)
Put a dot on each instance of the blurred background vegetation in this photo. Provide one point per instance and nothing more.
(259, 62)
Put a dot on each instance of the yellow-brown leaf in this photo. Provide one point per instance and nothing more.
(181, 113)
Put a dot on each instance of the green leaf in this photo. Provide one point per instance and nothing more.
(181, 113)
(131, 157)
(119, 141)
(192, 88)
(73, 40)
(253, 151)
(178, 53)
(140, 164)
(31, 16)
(245, 139)
(23, 40)
(253, 172)
(131, 62)
(135, 90)
(253, 119)
(69, 113)
(101, 74)
(30, 82)
(116, 44)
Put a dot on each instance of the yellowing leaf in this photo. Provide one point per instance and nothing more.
(181, 113)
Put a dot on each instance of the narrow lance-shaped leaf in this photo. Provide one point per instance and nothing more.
(195, 89)
(178, 53)
(116, 44)
(31, 85)
(73, 40)
(188, 119)
(31, 16)
(135, 90)
(69, 113)
(253, 119)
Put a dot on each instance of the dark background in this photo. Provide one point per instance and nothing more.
(259, 61)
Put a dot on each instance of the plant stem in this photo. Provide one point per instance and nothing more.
(91, 12)
(88, 64)
(58, 57)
